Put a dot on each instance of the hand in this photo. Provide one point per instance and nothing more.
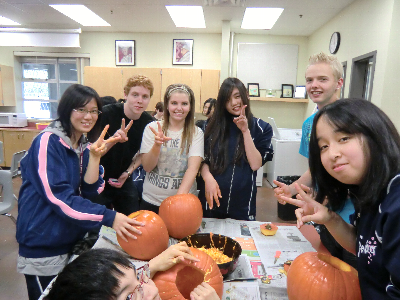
(241, 120)
(159, 137)
(281, 189)
(98, 148)
(204, 291)
(170, 257)
(122, 134)
(309, 209)
(212, 191)
(124, 226)
(121, 181)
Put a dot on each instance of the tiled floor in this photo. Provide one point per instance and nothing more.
(12, 284)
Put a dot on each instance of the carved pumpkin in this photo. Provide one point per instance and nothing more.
(182, 214)
(268, 229)
(153, 240)
(317, 276)
(177, 282)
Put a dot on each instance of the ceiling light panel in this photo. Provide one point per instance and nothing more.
(80, 14)
(7, 21)
(187, 16)
(260, 17)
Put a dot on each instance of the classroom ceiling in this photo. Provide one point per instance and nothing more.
(300, 17)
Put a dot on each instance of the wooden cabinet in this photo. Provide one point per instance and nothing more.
(7, 90)
(15, 140)
(111, 81)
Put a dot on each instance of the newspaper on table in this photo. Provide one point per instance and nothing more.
(241, 291)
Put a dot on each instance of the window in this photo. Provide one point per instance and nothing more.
(43, 81)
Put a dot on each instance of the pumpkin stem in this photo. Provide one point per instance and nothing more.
(335, 262)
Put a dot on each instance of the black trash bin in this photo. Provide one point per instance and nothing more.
(286, 211)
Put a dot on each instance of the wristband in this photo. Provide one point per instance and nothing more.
(129, 173)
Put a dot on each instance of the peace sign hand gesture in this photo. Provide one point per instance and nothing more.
(241, 120)
(309, 209)
(121, 134)
(98, 148)
(159, 137)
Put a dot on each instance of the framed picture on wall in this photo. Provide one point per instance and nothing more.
(182, 53)
(287, 91)
(254, 90)
(124, 52)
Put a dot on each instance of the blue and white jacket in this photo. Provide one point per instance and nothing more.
(53, 210)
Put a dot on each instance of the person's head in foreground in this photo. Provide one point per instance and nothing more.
(104, 274)
(355, 146)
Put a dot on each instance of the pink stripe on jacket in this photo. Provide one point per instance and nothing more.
(43, 176)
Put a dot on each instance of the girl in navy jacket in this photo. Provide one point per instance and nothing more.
(60, 173)
(355, 148)
(236, 145)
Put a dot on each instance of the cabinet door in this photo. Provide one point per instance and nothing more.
(15, 141)
(106, 81)
(209, 85)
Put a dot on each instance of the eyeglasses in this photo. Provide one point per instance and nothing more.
(84, 112)
(143, 276)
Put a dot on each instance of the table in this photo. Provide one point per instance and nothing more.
(255, 263)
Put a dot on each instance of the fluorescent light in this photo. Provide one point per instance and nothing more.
(260, 17)
(7, 21)
(187, 16)
(80, 14)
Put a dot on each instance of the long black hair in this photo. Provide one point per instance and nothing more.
(212, 102)
(92, 275)
(77, 96)
(217, 132)
(381, 143)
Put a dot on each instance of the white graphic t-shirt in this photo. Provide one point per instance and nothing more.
(164, 180)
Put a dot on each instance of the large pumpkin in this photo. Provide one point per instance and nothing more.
(317, 276)
(177, 282)
(153, 240)
(182, 214)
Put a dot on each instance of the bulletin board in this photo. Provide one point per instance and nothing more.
(269, 65)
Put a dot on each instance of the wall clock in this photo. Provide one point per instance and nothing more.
(334, 43)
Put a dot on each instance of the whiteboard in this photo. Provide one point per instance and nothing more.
(269, 65)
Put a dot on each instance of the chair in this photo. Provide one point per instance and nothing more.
(16, 158)
(7, 196)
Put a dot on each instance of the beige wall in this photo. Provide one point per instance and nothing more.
(365, 26)
(390, 102)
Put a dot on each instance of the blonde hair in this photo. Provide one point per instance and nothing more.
(189, 128)
(139, 80)
(331, 60)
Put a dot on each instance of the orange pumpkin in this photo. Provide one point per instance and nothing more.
(153, 240)
(182, 214)
(317, 276)
(177, 282)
